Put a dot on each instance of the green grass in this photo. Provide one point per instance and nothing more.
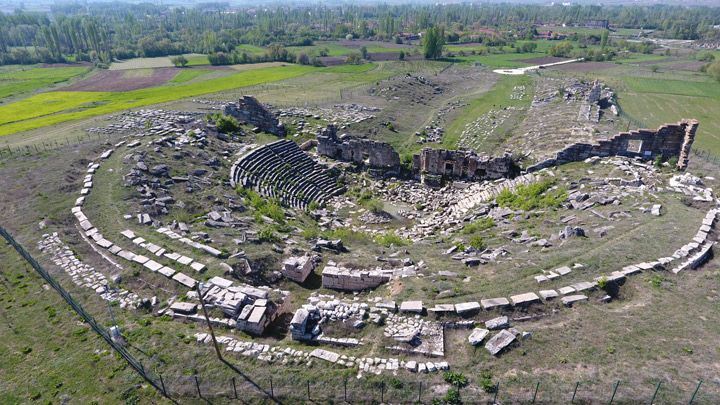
(188, 75)
(501, 60)
(653, 102)
(499, 95)
(47, 354)
(314, 50)
(674, 87)
(250, 49)
(53, 108)
(17, 81)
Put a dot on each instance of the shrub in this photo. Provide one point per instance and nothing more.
(179, 61)
(373, 205)
(658, 161)
(477, 242)
(455, 378)
(486, 382)
(267, 234)
(391, 238)
(673, 161)
(395, 383)
(227, 124)
(532, 196)
(479, 226)
(452, 396)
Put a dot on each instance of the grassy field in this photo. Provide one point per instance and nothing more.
(16, 80)
(57, 107)
(74, 365)
(653, 102)
(188, 75)
(501, 60)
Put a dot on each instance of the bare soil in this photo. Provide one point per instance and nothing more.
(118, 80)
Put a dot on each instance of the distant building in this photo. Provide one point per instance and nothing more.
(603, 24)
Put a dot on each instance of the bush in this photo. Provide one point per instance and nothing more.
(227, 124)
(373, 205)
(179, 61)
(267, 234)
(532, 196)
(452, 396)
(479, 226)
(395, 383)
(486, 382)
(455, 378)
(477, 242)
(391, 238)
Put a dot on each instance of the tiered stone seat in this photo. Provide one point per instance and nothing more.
(282, 170)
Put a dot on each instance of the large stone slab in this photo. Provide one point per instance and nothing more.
(492, 303)
(326, 355)
(411, 306)
(467, 307)
(569, 300)
(477, 336)
(185, 280)
(501, 322)
(499, 342)
(524, 299)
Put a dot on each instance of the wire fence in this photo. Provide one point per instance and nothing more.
(372, 389)
(53, 145)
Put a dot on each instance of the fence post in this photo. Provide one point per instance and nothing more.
(345, 390)
(420, 392)
(497, 389)
(617, 384)
(696, 391)
(308, 389)
(382, 391)
(657, 388)
(572, 401)
(162, 383)
(197, 386)
(234, 388)
(272, 389)
(536, 390)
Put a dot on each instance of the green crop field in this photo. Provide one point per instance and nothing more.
(188, 75)
(652, 102)
(502, 60)
(16, 80)
(333, 49)
(55, 107)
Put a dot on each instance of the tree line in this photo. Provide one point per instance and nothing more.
(98, 33)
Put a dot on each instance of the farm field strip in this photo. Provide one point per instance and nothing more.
(56, 107)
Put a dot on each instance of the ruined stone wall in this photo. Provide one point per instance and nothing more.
(379, 157)
(339, 278)
(251, 111)
(459, 164)
(669, 140)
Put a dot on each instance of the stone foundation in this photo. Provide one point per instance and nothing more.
(669, 140)
(251, 111)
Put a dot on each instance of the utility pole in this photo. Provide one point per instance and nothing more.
(212, 333)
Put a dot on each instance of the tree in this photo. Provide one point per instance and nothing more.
(303, 59)
(401, 56)
(354, 59)
(364, 52)
(179, 61)
(433, 42)
(714, 70)
(604, 39)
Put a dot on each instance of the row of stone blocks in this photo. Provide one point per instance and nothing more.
(282, 170)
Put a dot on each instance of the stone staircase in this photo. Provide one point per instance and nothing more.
(283, 171)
